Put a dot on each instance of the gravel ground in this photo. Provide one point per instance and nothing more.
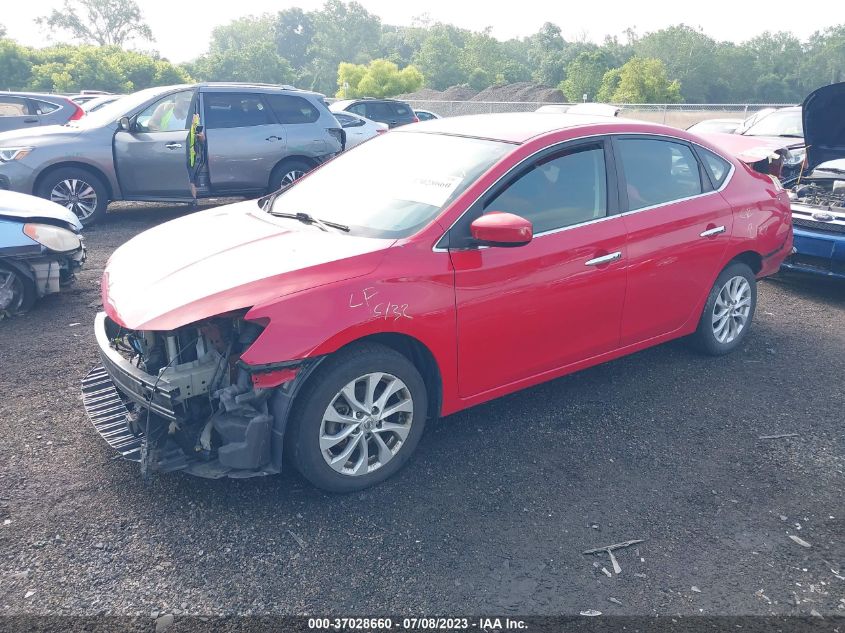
(492, 514)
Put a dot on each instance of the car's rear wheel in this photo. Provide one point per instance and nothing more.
(728, 312)
(358, 419)
(17, 292)
(78, 190)
(288, 172)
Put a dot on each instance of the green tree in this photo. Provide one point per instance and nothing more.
(103, 22)
(584, 75)
(294, 30)
(15, 65)
(72, 68)
(438, 57)
(244, 50)
(687, 54)
(380, 78)
(644, 80)
(340, 30)
(546, 49)
(609, 84)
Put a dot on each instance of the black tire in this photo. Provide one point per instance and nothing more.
(58, 181)
(17, 291)
(705, 338)
(283, 172)
(303, 438)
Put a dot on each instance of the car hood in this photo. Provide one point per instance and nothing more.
(223, 259)
(823, 113)
(24, 207)
(35, 135)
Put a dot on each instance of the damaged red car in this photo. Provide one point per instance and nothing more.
(429, 270)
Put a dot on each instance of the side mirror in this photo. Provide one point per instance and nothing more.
(124, 124)
(501, 229)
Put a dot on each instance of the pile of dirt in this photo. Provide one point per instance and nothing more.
(458, 93)
(425, 94)
(523, 91)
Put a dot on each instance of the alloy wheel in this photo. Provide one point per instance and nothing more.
(75, 195)
(366, 424)
(11, 291)
(291, 176)
(732, 309)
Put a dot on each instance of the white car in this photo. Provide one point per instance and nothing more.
(358, 129)
(41, 249)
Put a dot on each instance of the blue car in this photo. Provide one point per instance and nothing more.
(41, 249)
(818, 196)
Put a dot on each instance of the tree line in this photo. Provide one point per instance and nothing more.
(342, 49)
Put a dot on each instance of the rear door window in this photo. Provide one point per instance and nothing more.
(291, 110)
(13, 106)
(380, 111)
(234, 109)
(658, 171)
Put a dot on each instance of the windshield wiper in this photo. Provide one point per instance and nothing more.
(308, 219)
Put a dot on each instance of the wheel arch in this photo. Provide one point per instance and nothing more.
(288, 159)
(418, 354)
(74, 165)
(752, 259)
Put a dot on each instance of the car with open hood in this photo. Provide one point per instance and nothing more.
(431, 269)
(41, 250)
(818, 193)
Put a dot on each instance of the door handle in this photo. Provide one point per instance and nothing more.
(712, 232)
(604, 259)
(273, 138)
(174, 146)
(31, 120)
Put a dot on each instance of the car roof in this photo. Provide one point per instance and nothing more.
(36, 95)
(519, 127)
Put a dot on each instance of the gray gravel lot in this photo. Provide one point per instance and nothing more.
(490, 516)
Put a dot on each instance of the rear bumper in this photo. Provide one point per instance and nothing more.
(151, 392)
(818, 253)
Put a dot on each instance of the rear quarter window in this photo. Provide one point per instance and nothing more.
(43, 107)
(401, 110)
(717, 167)
(292, 110)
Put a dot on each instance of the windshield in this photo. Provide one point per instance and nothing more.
(393, 185)
(112, 112)
(779, 123)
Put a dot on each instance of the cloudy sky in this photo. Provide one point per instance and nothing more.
(181, 29)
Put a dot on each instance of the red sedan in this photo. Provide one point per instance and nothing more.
(429, 270)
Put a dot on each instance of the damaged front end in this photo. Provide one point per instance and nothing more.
(818, 219)
(182, 400)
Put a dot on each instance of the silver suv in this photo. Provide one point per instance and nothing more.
(260, 137)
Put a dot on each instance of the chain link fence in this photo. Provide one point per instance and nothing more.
(680, 115)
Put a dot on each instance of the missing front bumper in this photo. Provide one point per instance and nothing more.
(109, 415)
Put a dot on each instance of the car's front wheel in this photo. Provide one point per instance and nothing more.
(78, 190)
(728, 312)
(358, 419)
(17, 292)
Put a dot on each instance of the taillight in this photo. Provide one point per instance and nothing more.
(78, 112)
(416, 119)
(381, 130)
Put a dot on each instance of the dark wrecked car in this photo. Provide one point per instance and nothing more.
(818, 194)
(41, 249)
